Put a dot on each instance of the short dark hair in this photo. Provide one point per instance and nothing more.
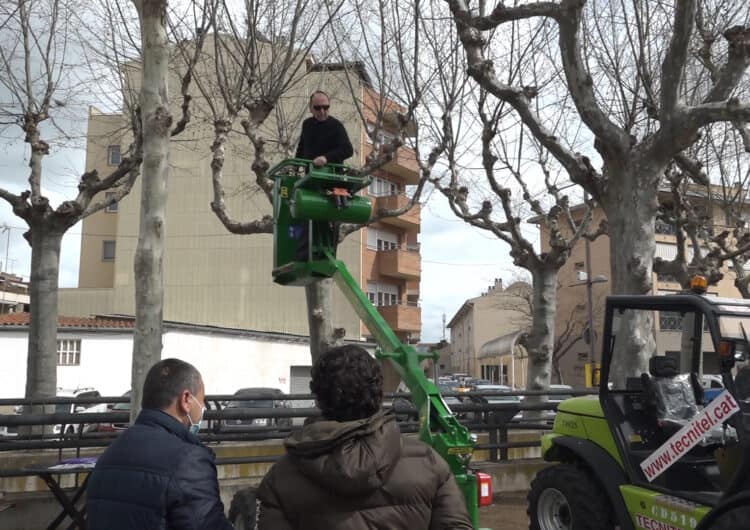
(319, 92)
(166, 380)
(347, 383)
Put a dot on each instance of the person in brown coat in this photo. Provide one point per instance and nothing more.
(352, 469)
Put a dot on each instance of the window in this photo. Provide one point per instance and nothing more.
(111, 202)
(372, 292)
(69, 352)
(380, 187)
(670, 321)
(113, 155)
(666, 277)
(382, 135)
(108, 250)
(381, 240)
(382, 294)
(662, 227)
(384, 244)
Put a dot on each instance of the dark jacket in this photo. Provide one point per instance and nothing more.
(324, 138)
(156, 475)
(359, 475)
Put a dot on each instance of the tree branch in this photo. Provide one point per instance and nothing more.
(502, 14)
(262, 226)
(19, 203)
(737, 63)
(693, 168)
(673, 65)
(730, 110)
(611, 140)
(578, 166)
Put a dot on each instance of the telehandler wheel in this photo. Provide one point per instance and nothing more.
(732, 520)
(567, 497)
(243, 508)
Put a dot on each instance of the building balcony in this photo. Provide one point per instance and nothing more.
(402, 318)
(404, 164)
(407, 221)
(403, 264)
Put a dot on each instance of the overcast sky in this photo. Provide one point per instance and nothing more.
(458, 261)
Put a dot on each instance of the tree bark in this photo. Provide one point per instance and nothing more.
(631, 207)
(41, 362)
(149, 255)
(323, 336)
(541, 339)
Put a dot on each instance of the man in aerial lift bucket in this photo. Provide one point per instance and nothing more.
(351, 469)
(324, 141)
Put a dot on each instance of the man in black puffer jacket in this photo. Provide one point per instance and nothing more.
(157, 475)
(323, 139)
(352, 470)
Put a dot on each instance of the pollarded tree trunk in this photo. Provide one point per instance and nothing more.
(323, 336)
(149, 255)
(541, 340)
(41, 370)
(631, 207)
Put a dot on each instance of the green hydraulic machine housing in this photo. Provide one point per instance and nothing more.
(309, 203)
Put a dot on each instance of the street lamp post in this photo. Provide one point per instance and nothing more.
(5, 229)
(590, 304)
(586, 279)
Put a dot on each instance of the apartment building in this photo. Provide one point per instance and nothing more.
(480, 332)
(391, 262)
(572, 308)
(212, 277)
(14, 293)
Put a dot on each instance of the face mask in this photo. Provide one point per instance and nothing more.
(195, 427)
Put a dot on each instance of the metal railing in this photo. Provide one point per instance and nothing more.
(479, 416)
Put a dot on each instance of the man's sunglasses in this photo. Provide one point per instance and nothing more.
(321, 107)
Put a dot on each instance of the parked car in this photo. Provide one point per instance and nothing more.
(111, 427)
(262, 398)
(70, 429)
(8, 431)
(452, 400)
(557, 394)
(123, 407)
(712, 386)
(474, 382)
(512, 413)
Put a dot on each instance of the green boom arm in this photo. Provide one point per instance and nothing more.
(438, 427)
(305, 237)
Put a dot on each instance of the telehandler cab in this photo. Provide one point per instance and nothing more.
(650, 451)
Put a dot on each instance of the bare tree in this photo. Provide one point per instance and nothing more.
(38, 52)
(509, 155)
(624, 67)
(265, 68)
(559, 226)
(158, 127)
(708, 219)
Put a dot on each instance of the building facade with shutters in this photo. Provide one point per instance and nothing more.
(572, 309)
